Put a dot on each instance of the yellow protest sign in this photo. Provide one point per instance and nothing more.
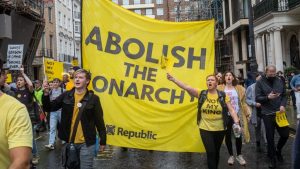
(281, 119)
(9, 78)
(123, 51)
(53, 69)
(75, 62)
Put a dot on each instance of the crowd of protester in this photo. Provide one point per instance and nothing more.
(29, 107)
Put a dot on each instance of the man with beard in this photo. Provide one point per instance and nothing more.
(270, 93)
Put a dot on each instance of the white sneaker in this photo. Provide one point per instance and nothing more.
(50, 146)
(241, 160)
(230, 160)
(35, 160)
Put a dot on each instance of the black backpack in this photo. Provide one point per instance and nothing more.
(221, 100)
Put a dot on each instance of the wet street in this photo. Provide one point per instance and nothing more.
(118, 158)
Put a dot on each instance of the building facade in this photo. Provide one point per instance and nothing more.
(21, 22)
(77, 29)
(47, 46)
(277, 33)
(64, 31)
(236, 32)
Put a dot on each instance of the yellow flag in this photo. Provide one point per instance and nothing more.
(167, 63)
(281, 119)
(9, 78)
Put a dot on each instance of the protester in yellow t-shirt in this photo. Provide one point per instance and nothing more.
(15, 133)
(91, 120)
(213, 119)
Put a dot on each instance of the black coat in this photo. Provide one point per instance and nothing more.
(263, 88)
(92, 116)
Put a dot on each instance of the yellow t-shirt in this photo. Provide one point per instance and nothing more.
(15, 128)
(79, 137)
(211, 113)
(70, 85)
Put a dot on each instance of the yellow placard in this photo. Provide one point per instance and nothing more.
(123, 51)
(53, 69)
(9, 78)
(281, 119)
(75, 62)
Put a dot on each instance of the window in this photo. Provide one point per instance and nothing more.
(138, 11)
(148, 1)
(149, 12)
(187, 9)
(136, 2)
(64, 21)
(60, 46)
(125, 2)
(175, 9)
(159, 2)
(160, 11)
(59, 19)
(70, 49)
(69, 24)
(50, 14)
(43, 41)
(77, 27)
(66, 47)
(51, 45)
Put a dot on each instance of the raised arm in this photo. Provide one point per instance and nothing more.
(192, 91)
(28, 81)
(48, 105)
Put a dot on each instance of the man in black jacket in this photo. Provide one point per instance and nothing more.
(91, 119)
(270, 93)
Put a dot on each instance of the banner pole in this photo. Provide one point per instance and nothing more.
(45, 76)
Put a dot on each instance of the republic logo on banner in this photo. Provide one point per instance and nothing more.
(129, 56)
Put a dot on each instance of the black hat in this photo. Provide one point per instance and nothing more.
(75, 68)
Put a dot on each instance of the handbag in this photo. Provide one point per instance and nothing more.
(71, 153)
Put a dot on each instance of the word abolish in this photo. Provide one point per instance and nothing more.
(114, 46)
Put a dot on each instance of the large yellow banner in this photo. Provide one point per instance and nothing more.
(53, 69)
(129, 56)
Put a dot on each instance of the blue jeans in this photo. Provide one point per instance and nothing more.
(34, 147)
(86, 156)
(54, 119)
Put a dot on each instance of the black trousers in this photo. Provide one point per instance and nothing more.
(270, 125)
(238, 141)
(212, 141)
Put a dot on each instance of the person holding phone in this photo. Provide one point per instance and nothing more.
(271, 94)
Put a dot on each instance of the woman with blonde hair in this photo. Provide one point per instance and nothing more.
(213, 108)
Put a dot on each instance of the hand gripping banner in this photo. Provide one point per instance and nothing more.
(129, 56)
